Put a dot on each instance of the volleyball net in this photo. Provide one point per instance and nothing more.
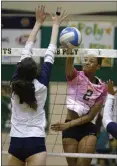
(12, 55)
(56, 103)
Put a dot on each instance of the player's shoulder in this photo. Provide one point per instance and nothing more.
(82, 73)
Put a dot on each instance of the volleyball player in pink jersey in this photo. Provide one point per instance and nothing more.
(85, 96)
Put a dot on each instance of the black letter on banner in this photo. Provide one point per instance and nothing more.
(58, 52)
(9, 50)
(4, 50)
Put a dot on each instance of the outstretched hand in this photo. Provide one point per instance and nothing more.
(40, 14)
(57, 19)
(59, 126)
(111, 88)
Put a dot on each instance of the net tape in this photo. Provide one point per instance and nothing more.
(13, 54)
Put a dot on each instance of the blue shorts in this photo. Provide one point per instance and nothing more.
(22, 148)
(112, 129)
(78, 132)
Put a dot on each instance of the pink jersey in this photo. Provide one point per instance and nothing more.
(82, 94)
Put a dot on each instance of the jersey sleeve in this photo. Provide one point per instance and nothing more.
(47, 65)
(27, 52)
(74, 75)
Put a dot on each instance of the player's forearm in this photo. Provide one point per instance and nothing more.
(34, 32)
(79, 121)
(54, 35)
(70, 61)
(88, 117)
(69, 66)
(27, 51)
(50, 53)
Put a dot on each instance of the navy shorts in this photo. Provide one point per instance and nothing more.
(22, 148)
(78, 132)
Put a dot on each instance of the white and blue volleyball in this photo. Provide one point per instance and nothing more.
(70, 36)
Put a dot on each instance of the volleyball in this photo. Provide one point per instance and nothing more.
(70, 36)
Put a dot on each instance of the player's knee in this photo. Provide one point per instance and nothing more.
(70, 145)
(69, 141)
(83, 162)
(71, 161)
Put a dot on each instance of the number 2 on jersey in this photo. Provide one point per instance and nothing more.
(87, 94)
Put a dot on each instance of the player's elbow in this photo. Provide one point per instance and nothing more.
(90, 118)
(86, 119)
(94, 111)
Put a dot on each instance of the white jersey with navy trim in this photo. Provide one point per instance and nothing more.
(108, 110)
(26, 122)
(108, 116)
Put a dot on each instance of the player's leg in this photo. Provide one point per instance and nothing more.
(38, 159)
(15, 157)
(70, 143)
(86, 145)
(70, 146)
(13, 161)
(35, 151)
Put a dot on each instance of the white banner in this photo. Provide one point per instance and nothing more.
(99, 35)
(16, 38)
(95, 34)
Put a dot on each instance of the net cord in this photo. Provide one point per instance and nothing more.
(79, 155)
(40, 52)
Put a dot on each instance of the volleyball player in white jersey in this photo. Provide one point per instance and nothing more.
(29, 92)
(108, 122)
(85, 97)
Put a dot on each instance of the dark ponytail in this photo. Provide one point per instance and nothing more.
(26, 92)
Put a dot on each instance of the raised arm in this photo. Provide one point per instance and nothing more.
(51, 50)
(69, 68)
(70, 71)
(27, 51)
(40, 16)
